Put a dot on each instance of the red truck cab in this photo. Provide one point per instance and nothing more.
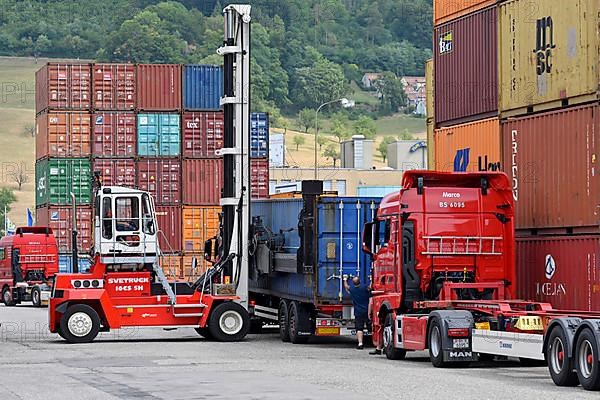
(28, 264)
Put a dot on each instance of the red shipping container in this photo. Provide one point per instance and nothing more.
(115, 171)
(63, 87)
(202, 181)
(552, 160)
(114, 134)
(162, 178)
(202, 134)
(561, 270)
(159, 87)
(114, 86)
(59, 218)
(466, 68)
(259, 178)
(169, 223)
(62, 134)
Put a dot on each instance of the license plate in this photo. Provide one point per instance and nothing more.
(328, 331)
(460, 343)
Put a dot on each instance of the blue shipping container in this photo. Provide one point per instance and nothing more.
(65, 264)
(376, 191)
(259, 135)
(202, 87)
(159, 135)
(339, 224)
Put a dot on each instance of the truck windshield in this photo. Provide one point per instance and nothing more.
(127, 214)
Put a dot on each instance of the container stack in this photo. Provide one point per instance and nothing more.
(536, 118)
(259, 155)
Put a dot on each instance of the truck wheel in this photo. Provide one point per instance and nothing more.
(80, 324)
(7, 297)
(559, 364)
(204, 332)
(586, 361)
(436, 352)
(297, 317)
(229, 322)
(390, 351)
(284, 321)
(36, 297)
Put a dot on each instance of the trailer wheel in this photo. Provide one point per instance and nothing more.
(436, 352)
(297, 316)
(559, 364)
(390, 351)
(229, 322)
(7, 298)
(80, 324)
(586, 361)
(36, 297)
(284, 321)
(204, 332)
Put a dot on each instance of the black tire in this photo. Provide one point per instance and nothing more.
(284, 321)
(531, 363)
(204, 332)
(80, 324)
(7, 297)
(559, 365)
(434, 342)
(297, 317)
(586, 360)
(390, 351)
(229, 322)
(36, 297)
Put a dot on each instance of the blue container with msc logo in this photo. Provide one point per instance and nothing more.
(259, 135)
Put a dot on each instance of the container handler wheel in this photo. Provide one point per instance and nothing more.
(284, 321)
(586, 360)
(390, 351)
(7, 297)
(559, 363)
(80, 324)
(297, 317)
(229, 322)
(36, 297)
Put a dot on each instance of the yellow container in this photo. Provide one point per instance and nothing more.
(548, 54)
(199, 225)
(471, 147)
(429, 87)
(430, 144)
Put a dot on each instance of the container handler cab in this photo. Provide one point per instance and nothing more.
(444, 281)
(28, 263)
(126, 286)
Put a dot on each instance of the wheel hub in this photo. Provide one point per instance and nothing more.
(435, 341)
(80, 324)
(586, 359)
(231, 322)
(557, 356)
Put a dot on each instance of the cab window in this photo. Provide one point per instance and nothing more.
(107, 218)
(2, 254)
(127, 214)
(147, 215)
(384, 231)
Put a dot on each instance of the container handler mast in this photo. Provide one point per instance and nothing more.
(444, 281)
(126, 286)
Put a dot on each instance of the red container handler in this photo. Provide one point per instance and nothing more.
(202, 134)
(561, 270)
(466, 68)
(169, 222)
(162, 178)
(114, 86)
(202, 181)
(59, 218)
(116, 171)
(65, 86)
(158, 87)
(62, 134)
(259, 178)
(553, 161)
(114, 134)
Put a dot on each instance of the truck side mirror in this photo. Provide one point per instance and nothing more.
(208, 250)
(367, 238)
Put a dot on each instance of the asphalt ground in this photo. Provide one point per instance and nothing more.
(157, 364)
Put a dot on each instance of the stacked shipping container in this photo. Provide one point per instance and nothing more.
(535, 117)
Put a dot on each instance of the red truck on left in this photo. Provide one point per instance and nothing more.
(28, 264)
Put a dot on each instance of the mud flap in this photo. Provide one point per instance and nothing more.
(456, 349)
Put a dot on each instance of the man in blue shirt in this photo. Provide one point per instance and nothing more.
(360, 299)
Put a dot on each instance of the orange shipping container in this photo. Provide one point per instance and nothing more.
(63, 134)
(446, 10)
(171, 266)
(199, 225)
(475, 146)
(190, 273)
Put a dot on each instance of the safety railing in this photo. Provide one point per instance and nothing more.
(463, 245)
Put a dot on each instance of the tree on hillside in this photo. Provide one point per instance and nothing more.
(331, 152)
(19, 176)
(306, 119)
(383, 146)
(299, 141)
(392, 93)
(365, 126)
(7, 197)
(338, 128)
(321, 140)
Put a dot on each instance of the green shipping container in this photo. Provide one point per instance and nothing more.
(57, 178)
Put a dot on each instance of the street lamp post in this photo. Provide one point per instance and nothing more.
(346, 104)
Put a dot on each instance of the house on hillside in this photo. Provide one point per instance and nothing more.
(369, 78)
(416, 93)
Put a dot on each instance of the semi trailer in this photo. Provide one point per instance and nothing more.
(444, 280)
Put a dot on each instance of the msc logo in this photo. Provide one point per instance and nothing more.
(41, 184)
(550, 267)
(544, 45)
(446, 43)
